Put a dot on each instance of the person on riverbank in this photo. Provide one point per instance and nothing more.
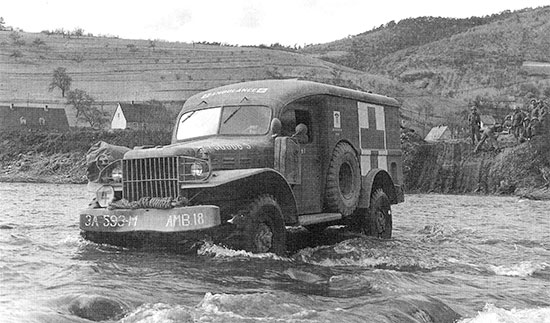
(474, 121)
(531, 107)
(535, 112)
(535, 127)
(526, 132)
(543, 111)
(517, 122)
(490, 135)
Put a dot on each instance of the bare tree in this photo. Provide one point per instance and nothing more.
(85, 109)
(61, 80)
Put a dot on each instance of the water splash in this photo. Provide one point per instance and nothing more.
(255, 307)
(373, 253)
(149, 313)
(523, 269)
(264, 307)
(493, 314)
(216, 251)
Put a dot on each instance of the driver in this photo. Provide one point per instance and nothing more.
(300, 135)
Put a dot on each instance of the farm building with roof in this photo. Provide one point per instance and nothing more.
(22, 118)
(439, 133)
(142, 116)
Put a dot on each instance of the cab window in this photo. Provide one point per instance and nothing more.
(293, 117)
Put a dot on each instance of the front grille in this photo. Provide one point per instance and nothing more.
(150, 177)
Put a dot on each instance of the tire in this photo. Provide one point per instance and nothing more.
(378, 221)
(264, 229)
(343, 181)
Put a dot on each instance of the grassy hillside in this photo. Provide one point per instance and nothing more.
(113, 70)
(365, 50)
(500, 58)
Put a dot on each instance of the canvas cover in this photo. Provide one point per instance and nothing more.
(100, 155)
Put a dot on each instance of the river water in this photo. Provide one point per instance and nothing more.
(452, 259)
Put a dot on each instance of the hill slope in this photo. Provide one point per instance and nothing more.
(456, 58)
(112, 70)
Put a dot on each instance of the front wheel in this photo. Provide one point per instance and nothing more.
(264, 229)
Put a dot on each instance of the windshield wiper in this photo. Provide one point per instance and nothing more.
(189, 116)
(231, 115)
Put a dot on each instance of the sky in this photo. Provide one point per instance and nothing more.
(237, 22)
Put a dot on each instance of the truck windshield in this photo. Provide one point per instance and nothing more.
(229, 120)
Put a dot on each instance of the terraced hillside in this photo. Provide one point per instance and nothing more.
(115, 70)
(457, 58)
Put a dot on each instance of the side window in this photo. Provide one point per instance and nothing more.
(303, 116)
(288, 122)
(293, 117)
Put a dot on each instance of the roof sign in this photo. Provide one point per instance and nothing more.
(259, 90)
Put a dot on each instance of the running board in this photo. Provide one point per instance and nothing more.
(309, 219)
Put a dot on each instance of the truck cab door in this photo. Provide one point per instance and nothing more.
(308, 187)
(288, 159)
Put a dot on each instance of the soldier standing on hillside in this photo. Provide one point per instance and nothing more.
(526, 133)
(517, 122)
(474, 121)
(543, 112)
(490, 133)
(535, 112)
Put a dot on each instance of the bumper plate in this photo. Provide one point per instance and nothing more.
(178, 219)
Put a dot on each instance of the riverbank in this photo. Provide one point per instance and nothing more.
(60, 158)
(453, 167)
(449, 167)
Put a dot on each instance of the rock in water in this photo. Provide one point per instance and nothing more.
(97, 308)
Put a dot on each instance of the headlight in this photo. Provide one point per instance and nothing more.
(105, 195)
(116, 174)
(196, 169)
(112, 173)
(192, 169)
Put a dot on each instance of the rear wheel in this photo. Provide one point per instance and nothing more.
(375, 221)
(379, 215)
(264, 229)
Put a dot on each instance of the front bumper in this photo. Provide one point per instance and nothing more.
(179, 219)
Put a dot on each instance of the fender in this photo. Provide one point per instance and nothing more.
(376, 178)
(257, 180)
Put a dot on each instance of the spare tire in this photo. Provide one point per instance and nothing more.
(343, 180)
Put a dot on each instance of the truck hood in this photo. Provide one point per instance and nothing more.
(224, 153)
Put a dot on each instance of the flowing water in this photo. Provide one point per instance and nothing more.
(452, 259)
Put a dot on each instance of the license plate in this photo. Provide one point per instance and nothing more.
(172, 220)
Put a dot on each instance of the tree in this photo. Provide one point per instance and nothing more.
(61, 80)
(85, 109)
(2, 23)
(78, 32)
(17, 39)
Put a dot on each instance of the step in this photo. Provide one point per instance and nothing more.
(309, 219)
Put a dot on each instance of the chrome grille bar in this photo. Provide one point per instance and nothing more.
(150, 177)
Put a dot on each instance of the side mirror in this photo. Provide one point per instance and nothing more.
(276, 127)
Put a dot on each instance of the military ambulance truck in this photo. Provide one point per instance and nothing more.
(249, 159)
